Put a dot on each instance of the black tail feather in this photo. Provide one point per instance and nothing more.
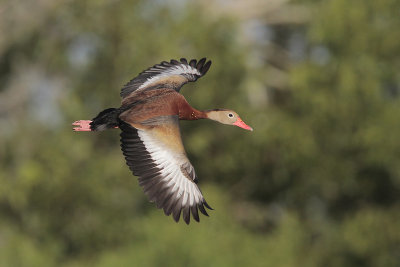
(106, 119)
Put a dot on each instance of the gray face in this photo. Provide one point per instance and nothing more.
(225, 116)
(228, 117)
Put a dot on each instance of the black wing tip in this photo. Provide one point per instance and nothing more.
(195, 212)
(203, 210)
(201, 65)
(183, 60)
(206, 67)
(193, 63)
(188, 212)
(207, 206)
(176, 216)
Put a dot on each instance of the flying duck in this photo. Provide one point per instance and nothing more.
(150, 139)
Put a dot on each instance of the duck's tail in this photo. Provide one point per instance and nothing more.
(107, 119)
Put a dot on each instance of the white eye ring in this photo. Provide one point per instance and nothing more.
(230, 115)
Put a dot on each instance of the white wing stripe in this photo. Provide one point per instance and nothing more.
(185, 196)
(177, 70)
(191, 195)
(176, 184)
(167, 181)
(169, 164)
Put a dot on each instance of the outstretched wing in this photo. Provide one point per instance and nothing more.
(164, 171)
(173, 75)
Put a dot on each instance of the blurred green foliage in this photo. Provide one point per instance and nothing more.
(316, 184)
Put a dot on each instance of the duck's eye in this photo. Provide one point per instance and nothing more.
(230, 115)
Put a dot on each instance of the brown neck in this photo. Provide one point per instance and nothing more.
(192, 114)
(186, 112)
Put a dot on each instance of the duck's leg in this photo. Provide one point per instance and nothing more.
(84, 126)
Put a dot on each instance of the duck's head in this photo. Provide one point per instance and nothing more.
(227, 116)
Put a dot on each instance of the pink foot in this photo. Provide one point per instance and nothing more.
(84, 126)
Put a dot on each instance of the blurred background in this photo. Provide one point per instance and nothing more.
(316, 184)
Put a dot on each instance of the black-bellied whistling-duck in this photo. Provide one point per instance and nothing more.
(150, 139)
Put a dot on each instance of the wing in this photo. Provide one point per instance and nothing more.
(164, 171)
(173, 75)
